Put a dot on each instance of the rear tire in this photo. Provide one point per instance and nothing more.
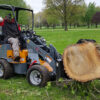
(38, 75)
(5, 69)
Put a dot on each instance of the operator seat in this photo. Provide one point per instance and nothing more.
(10, 28)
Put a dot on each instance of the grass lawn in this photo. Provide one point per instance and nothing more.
(17, 87)
(61, 39)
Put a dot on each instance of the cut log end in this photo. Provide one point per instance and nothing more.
(82, 61)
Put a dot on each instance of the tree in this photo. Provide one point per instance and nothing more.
(76, 14)
(60, 8)
(38, 19)
(52, 19)
(23, 16)
(96, 19)
(97, 9)
(65, 13)
(89, 13)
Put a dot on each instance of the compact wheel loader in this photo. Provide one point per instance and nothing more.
(41, 63)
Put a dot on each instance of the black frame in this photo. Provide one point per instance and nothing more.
(17, 9)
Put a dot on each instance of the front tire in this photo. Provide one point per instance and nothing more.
(38, 75)
(6, 71)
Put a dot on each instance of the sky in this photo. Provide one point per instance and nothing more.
(37, 5)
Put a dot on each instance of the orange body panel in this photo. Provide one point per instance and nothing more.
(23, 55)
(9, 54)
(46, 65)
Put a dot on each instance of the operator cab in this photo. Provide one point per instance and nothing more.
(19, 23)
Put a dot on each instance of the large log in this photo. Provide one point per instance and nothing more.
(82, 61)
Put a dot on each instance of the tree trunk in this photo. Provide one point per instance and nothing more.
(65, 14)
(91, 24)
(96, 25)
(62, 25)
(47, 26)
(70, 26)
(88, 25)
(76, 69)
(74, 25)
(53, 26)
(78, 25)
(40, 26)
